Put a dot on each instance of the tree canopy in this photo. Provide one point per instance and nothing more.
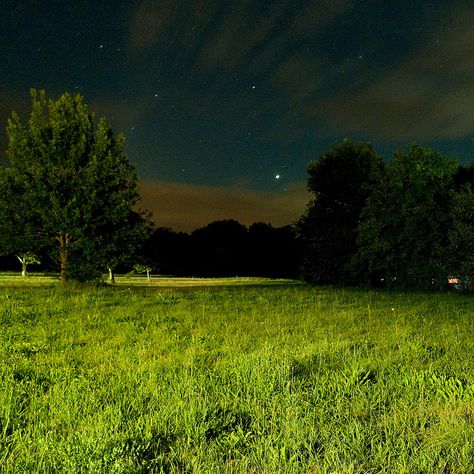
(67, 185)
(402, 237)
(408, 224)
(340, 180)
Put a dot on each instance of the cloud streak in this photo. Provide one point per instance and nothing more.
(429, 95)
(147, 24)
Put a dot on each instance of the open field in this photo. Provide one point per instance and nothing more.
(14, 280)
(246, 376)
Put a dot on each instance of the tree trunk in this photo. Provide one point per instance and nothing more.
(64, 240)
(23, 265)
(111, 275)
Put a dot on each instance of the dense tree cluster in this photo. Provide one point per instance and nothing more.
(407, 224)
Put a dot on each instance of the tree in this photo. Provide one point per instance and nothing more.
(72, 183)
(220, 249)
(27, 259)
(460, 249)
(170, 252)
(272, 252)
(17, 235)
(341, 180)
(142, 268)
(115, 245)
(402, 235)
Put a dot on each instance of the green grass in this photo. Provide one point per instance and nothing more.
(262, 377)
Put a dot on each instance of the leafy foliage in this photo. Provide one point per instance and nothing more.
(74, 189)
(402, 234)
(460, 249)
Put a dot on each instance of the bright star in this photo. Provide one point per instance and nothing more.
(277, 176)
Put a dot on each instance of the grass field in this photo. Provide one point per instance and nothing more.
(237, 375)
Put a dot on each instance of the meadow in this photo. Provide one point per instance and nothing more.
(233, 376)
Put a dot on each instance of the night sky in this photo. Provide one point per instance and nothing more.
(224, 103)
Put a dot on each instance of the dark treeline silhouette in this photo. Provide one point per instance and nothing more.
(225, 248)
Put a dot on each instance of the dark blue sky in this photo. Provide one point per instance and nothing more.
(217, 98)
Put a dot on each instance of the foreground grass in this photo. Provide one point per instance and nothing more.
(235, 379)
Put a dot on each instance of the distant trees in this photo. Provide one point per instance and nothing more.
(69, 186)
(341, 180)
(168, 252)
(225, 248)
(220, 248)
(274, 252)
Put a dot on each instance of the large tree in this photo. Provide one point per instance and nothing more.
(402, 237)
(340, 181)
(460, 249)
(67, 182)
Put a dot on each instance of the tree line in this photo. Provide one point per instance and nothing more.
(225, 248)
(69, 199)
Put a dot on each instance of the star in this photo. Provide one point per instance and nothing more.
(277, 176)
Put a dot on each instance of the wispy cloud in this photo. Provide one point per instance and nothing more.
(148, 22)
(240, 32)
(299, 77)
(185, 207)
(316, 16)
(429, 95)
(168, 23)
(122, 112)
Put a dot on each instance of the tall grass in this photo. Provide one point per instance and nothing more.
(269, 379)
